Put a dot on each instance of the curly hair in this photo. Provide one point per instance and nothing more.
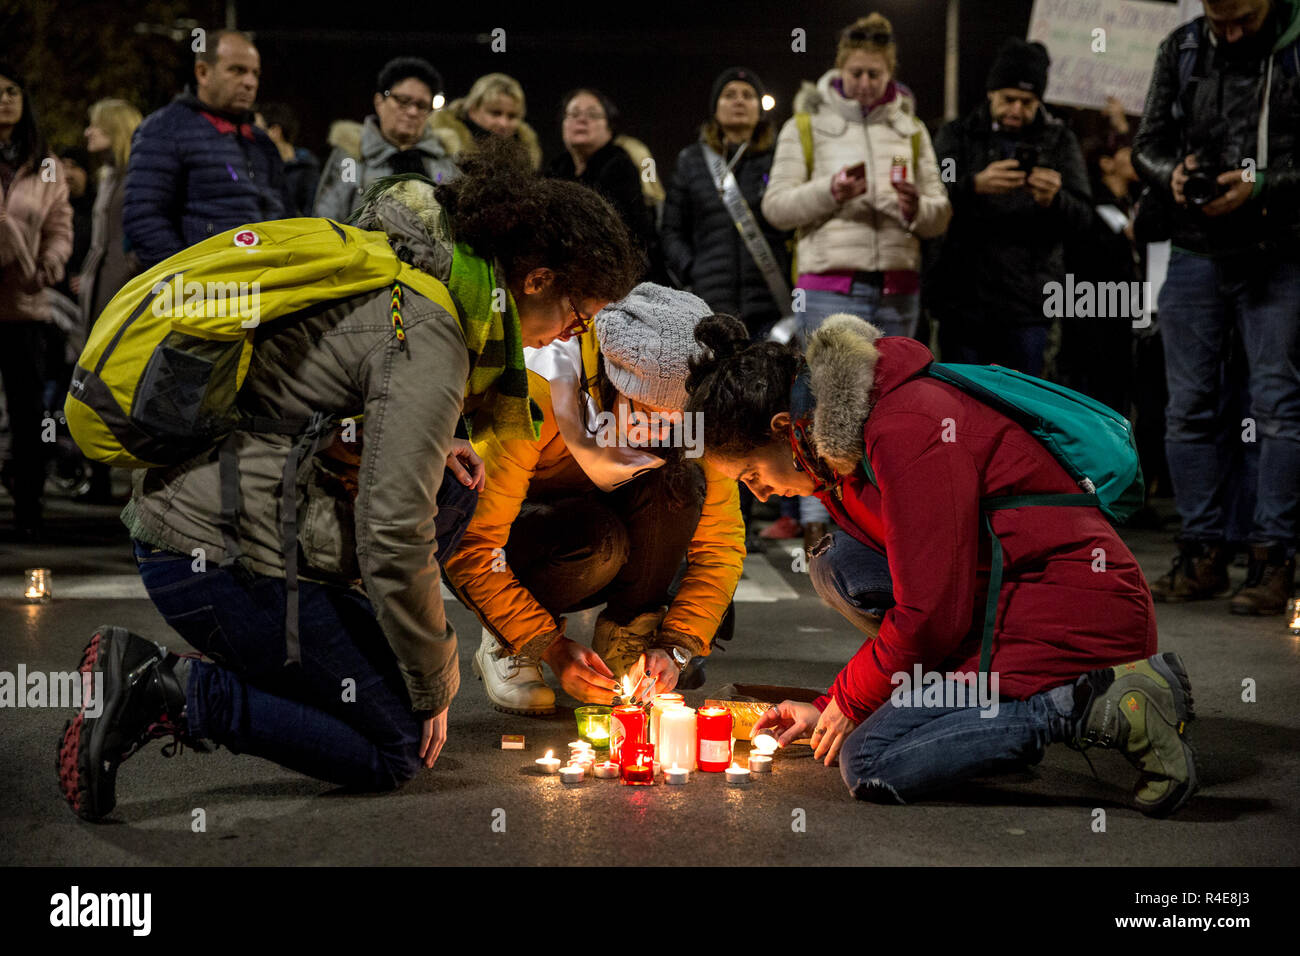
(738, 385)
(502, 209)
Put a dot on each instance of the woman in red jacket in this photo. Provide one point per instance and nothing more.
(908, 565)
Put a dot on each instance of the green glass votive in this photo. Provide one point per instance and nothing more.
(593, 725)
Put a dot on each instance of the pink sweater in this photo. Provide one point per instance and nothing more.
(35, 241)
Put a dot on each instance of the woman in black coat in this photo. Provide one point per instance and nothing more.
(701, 243)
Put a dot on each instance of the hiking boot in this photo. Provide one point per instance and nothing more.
(514, 685)
(142, 697)
(620, 646)
(1142, 709)
(1199, 572)
(781, 529)
(1270, 579)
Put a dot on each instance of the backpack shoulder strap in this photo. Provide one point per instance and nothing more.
(803, 121)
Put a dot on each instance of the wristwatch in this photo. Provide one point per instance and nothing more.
(680, 657)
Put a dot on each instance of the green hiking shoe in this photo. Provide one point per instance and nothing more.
(1142, 709)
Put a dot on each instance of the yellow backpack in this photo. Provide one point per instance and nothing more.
(158, 379)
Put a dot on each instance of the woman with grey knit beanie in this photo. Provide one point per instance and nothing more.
(603, 508)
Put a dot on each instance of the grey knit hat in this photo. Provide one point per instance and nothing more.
(647, 339)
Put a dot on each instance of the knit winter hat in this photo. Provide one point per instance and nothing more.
(647, 340)
(1020, 65)
(741, 73)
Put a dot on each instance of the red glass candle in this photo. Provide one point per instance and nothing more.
(638, 764)
(713, 733)
(626, 725)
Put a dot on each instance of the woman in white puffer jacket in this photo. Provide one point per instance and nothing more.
(859, 216)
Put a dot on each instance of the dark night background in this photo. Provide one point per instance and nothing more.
(657, 61)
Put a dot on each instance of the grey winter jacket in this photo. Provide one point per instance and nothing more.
(348, 171)
(372, 525)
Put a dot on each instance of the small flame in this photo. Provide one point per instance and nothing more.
(628, 687)
(549, 754)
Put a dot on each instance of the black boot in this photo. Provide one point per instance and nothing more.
(141, 697)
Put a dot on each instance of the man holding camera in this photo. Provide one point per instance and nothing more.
(1219, 140)
(1019, 188)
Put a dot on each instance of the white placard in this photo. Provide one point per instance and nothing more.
(1101, 48)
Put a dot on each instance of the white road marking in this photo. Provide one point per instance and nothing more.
(760, 584)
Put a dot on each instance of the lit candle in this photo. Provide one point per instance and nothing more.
(737, 776)
(36, 589)
(585, 759)
(606, 770)
(626, 726)
(638, 764)
(549, 763)
(760, 763)
(1295, 616)
(676, 745)
(578, 746)
(764, 744)
(658, 705)
(571, 774)
(676, 775)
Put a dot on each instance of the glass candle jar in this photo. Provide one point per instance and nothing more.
(36, 586)
(593, 725)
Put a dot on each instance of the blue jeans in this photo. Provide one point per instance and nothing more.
(1199, 302)
(892, 314)
(1020, 347)
(308, 718)
(899, 754)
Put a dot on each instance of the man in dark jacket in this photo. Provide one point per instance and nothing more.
(1018, 188)
(199, 166)
(1219, 141)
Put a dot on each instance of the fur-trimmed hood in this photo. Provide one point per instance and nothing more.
(821, 96)
(449, 125)
(847, 379)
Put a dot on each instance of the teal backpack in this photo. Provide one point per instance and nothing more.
(1094, 443)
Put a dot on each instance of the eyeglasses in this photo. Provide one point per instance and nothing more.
(582, 323)
(409, 102)
(593, 115)
(880, 37)
(13, 91)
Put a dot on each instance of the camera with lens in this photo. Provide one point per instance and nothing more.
(1215, 155)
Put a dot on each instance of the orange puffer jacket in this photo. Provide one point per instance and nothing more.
(517, 470)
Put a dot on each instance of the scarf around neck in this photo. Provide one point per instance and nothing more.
(498, 379)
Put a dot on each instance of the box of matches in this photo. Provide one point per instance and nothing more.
(512, 741)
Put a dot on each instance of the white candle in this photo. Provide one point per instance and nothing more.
(658, 705)
(549, 763)
(676, 775)
(571, 774)
(737, 776)
(677, 737)
(606, 770)
(760, 763)
(764, 744)
(585, 761)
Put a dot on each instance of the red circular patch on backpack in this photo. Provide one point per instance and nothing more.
(246, 238)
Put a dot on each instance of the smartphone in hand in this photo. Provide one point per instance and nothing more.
(858, 171)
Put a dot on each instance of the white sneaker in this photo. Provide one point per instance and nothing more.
(513, 686)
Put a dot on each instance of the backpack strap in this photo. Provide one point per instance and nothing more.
(803, 122)
(994, 597)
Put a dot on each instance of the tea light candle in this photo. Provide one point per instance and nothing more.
(676, 775)
(36, 589)
(606, 770)
(584, 760)
(549, 763)
(572, 773)
(760, 763)
(764, 744)
(578, 746)
(737, 776)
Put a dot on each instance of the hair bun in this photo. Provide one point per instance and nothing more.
(723, 335)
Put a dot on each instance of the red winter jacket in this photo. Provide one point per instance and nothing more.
(936, 452)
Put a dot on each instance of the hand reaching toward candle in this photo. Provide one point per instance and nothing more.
(433, 736)
(793, 718)
(582, 673)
